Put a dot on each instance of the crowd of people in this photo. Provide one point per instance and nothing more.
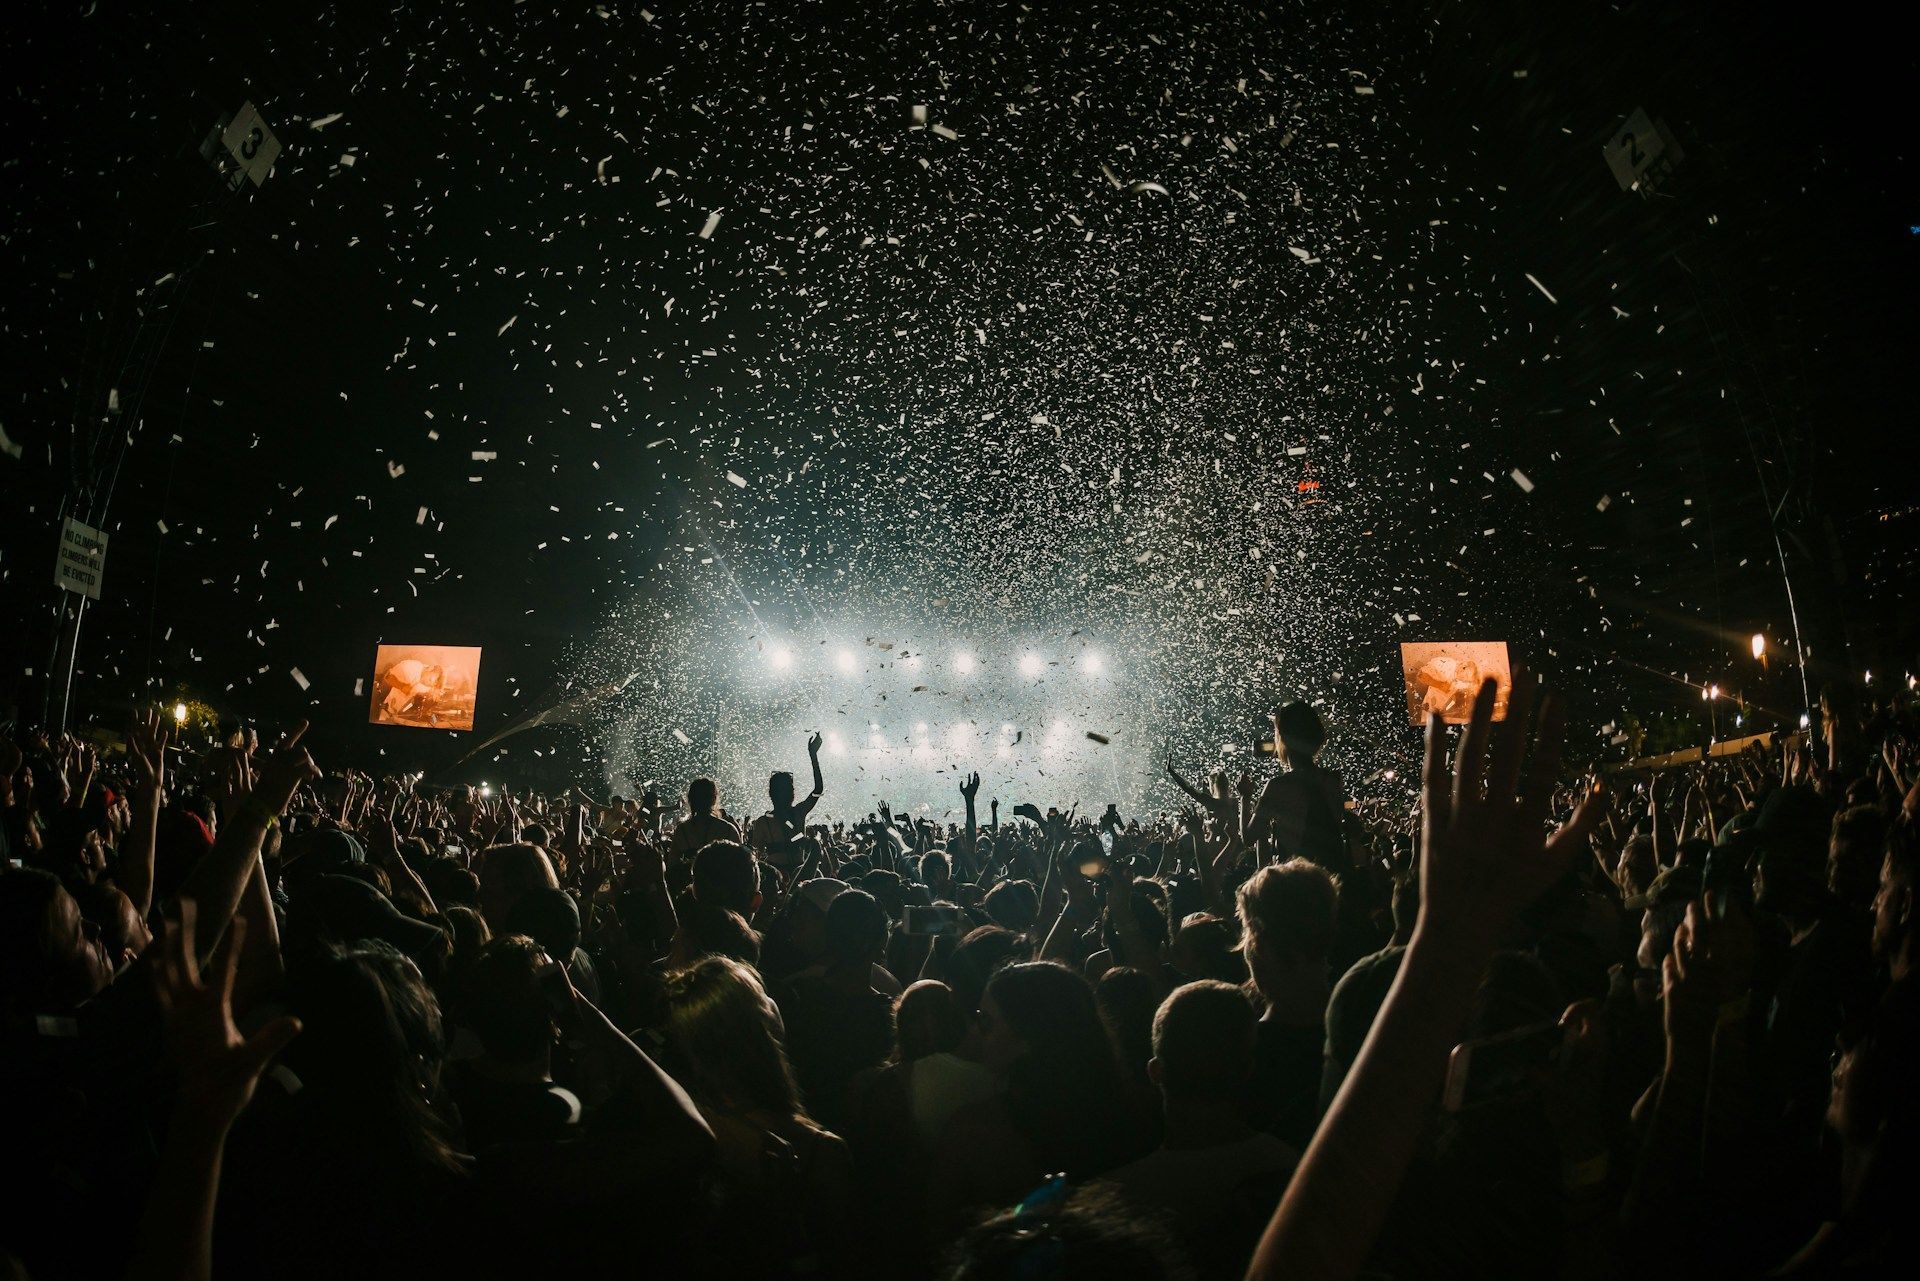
(265, 1019)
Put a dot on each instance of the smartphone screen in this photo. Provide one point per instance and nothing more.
(1501, 1066)
(932, 920)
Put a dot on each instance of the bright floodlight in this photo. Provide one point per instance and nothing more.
(963, 662)
(180, 713)
(1031, 665)
(844, 660)
(781, 657)
(1759, 645)
(834, 746)
(1093, 663)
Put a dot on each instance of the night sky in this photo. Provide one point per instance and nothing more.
(630, 341)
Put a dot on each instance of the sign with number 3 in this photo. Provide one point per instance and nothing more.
(249, 141)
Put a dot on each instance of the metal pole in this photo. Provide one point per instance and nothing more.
(1793, 615)
(73, 654)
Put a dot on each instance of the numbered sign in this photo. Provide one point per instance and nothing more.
(82, 559)
(1641, 152)
(251, 144)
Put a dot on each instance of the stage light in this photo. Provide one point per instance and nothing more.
(834, 746)
(1093, 664)
(486, 789)
(844, 660)
(963, 663)
(1031, 665)
(781, 657)
(179, 713)
(1713, 691)
(1759, 645)
(1804, 722)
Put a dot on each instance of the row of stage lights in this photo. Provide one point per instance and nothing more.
(962, 741)
(1031, 665)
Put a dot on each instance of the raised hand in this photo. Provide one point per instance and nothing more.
(970, 787)
(813, 744)
(147, 748)
(1485, 849)
(218, 1067)
(285, 768)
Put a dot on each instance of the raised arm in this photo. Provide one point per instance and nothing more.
(970, 792)
(1201, 797)
(217, 1070)
(1485, 856)
(146, 755)
(216, 882)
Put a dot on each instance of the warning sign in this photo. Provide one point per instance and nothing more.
(82, 559)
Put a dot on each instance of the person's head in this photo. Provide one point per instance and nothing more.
(535, 834)
(1893, 902)
(550, 918)
(856, 930)
(1126, 998)
(927, 1019)
(468, 930)
(507, 872)
(369, 1054)
(1663, 907)
(1147, 914)
(1040, 1010)
(1013, 905)
(886, 886)
(447, 881)
(1089, 1235)
(1287, 915)
(1790, 882)
(1203, 948)
(780, 789)
(703, 796)
(1203, 1045)
(717, 931)
(51, 957)
(1302, 733)
(976, 959)
(1854, 854)
(1639, 864)
(727, 1034)
(1873, 1108)
(501, 1000)
(936, 869)
(123, 933)
(726, 874)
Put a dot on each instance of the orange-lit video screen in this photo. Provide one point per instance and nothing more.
(425, 686)
(1444, 676)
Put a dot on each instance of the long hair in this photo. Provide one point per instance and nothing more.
(369, 1059)
(718, 1021)
(1065, 1093)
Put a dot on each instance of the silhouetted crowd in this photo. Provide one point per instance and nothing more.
(265, 1020)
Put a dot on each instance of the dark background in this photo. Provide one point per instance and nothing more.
(1764, 357)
